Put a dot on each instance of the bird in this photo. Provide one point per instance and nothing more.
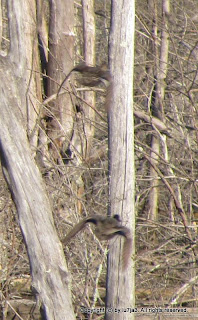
(106, 228)
(92, 76)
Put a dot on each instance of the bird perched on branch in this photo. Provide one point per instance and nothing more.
(91, 76)
(106, 228)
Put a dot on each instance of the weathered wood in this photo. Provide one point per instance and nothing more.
(120, 285)
(21, 308)
(89, 35)
(25, 59)
(61, 59)
(48, 266)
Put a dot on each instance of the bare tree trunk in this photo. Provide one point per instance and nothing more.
(26, 61)
(155, 144)
(61, 59)
(161, 72)
(120, 285)
(18, 99)
(48, 267)
(84, 128)
(154, 187)
(89, 54)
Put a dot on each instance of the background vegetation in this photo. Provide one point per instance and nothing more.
(166, 170)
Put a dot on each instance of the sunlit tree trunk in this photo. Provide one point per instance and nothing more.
(18, 108)
(120, 284)
(60, 62)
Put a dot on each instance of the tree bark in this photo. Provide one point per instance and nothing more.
(47, 262)
(120, 285)
(89, 54)
(161, 73)
(154, 110)
(61, 59)
(24, 56)
(18, 114)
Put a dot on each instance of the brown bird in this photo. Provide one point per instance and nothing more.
(92, 76)
(106, 228)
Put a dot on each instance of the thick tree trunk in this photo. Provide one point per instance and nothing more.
(19, 90)
(47, 262)
(60, 62)
(120, 284)
(24, 55)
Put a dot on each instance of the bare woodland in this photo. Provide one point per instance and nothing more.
(62, 154)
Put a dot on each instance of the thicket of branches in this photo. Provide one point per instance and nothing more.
(167, 252)
(166, 244)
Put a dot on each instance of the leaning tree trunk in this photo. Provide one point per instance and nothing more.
(120, 285)
(18, 88)
(47, 262)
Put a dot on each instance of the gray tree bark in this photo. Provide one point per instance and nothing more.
(89, 55)
(17, 87)
(120, 284)
(61, 58)
(47, 262)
